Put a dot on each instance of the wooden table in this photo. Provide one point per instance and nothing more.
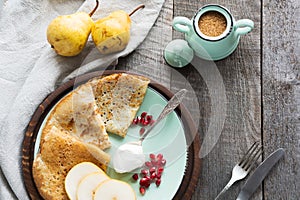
(262, 84)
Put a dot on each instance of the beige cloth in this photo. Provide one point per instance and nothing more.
(30, 70)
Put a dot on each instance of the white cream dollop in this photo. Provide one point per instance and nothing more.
(128, 157)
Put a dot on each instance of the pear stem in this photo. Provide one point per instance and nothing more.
(136, 9)
(95, 8)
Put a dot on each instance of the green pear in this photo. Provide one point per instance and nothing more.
(112, 33)
(68, 34)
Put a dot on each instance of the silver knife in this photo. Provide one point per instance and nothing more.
(259, 174)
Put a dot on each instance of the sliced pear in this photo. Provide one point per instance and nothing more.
(88, 184)
(75, 175)
(114, 189)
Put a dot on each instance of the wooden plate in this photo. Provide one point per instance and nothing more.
(192, 172)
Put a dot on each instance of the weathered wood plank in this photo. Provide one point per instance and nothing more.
(241, 77)
(281, 95)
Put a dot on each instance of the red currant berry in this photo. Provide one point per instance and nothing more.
(135, 177)
(158, 182)
(142, 190)
(144, 114)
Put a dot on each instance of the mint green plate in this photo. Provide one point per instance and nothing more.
(167, 137)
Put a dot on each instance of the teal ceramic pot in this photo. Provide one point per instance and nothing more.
(178, 53)
(217, 47)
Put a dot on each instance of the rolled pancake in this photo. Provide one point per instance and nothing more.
(118, 97)
(59, 152)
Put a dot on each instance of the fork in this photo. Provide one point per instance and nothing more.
(244, 166)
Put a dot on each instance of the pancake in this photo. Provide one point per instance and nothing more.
(59, 152)
(77, 115)
(118, 98)
(76, 129)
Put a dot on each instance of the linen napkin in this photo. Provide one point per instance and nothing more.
(30, 69)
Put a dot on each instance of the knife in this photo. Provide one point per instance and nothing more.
(259, 174)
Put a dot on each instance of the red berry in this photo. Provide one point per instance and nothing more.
(160, 170)
(142, 121)
(144, 172)
(143, 115)
(158, 175)
(163, 162)
(149, 118)
(152, 170)
(152, 156)
(142, 131)
(145, 122)
(157, 182)
(159, 156)
(138, 119)
(153, 176)
(135, 121)
(135, 177)
(154, 162)
(148, 164)
(142, 190)
(145, 182)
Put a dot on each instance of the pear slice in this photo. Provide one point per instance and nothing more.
(87, 185)
(75, 175)
(114, 189)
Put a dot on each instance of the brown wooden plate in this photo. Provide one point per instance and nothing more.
(192, 171)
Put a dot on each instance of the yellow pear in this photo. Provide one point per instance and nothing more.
(68, 34)
(122, 17)
(112, 33)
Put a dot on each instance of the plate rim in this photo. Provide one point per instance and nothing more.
(193, 163)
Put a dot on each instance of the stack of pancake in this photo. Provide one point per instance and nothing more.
(77, 128)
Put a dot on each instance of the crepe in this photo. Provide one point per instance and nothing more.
(76, 129)
(77, 115)
(118, 98)
(59, 152)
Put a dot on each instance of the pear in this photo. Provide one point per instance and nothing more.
(87, 185)
(112, 33)
(114, 189)
(76, 174)
(68, 34)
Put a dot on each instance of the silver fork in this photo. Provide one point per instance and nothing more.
(244, 166)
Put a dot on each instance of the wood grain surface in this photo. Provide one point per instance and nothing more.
(261, 80)
(281, 95)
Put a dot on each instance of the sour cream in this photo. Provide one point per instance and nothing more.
(128, 157)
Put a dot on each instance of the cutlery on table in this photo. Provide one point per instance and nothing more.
(244, 166)
(259, 174)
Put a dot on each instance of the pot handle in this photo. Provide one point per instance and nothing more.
(182, 24)
(243, 26)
